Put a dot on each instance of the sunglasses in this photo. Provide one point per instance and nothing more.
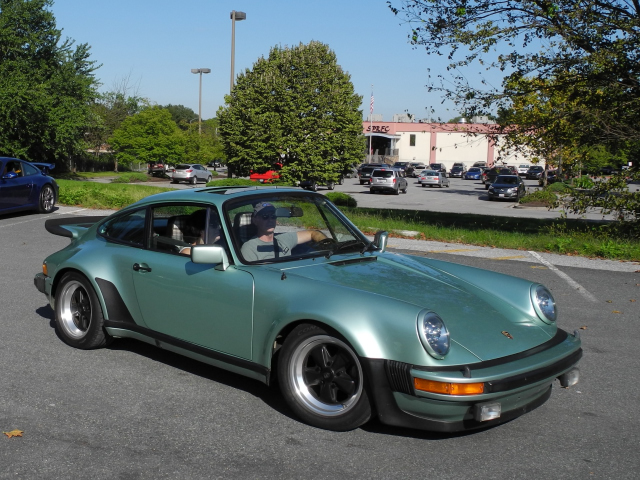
(273, 216)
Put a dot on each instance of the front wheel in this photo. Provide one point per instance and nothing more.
(322, 380)
(79, 319)
(47, 200)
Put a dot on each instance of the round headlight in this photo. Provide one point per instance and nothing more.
(544, 303)
(433, 334)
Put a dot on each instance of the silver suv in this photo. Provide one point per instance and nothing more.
(386, 179)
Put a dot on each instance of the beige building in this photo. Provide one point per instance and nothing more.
(446, 143)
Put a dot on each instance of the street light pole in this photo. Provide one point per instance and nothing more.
(234, 16)
(200, 71)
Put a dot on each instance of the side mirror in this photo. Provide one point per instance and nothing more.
(380, 240)
(210, 254)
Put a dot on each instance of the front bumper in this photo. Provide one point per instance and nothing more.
(499, 194)
(398, 403)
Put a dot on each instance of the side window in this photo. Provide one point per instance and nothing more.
(30, 169)
(412, 140)
(175, 228)
(127, 228)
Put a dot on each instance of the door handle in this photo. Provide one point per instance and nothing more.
(137, 267)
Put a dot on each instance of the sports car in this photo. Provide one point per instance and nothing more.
(26, 186)
(276, 284)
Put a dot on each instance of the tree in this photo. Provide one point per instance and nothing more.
(588, 51)
(298, 108)
(150, 135)
(46, 85)
(183, 116)
(109, 110)
(203, 147)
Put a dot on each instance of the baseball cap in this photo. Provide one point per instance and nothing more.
(263, 207)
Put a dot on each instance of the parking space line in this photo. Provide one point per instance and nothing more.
(581, 290)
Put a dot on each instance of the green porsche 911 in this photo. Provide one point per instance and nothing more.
(278, 285)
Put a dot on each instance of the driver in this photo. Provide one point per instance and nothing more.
(266, 243)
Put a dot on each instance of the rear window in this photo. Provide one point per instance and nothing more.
(183, 166)
(382, 173)
(507, 180)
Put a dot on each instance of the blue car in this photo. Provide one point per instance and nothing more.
(474, 173)
(26, 186)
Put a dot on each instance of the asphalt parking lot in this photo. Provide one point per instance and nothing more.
(134, 411)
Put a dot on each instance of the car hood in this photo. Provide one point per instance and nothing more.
(478, 319)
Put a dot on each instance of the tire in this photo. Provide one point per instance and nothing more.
(193, 180)
(423, 185)
(490, 198)
(47, 199)
(331, 185)
(396, 191)
(486, 186)
(319, 393)
(404, 190)
(79, 318)
(314, 187)
(174, 181)
(209, 178)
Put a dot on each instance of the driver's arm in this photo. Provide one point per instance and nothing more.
(310, 235)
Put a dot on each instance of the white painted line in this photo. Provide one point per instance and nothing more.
(581, 290)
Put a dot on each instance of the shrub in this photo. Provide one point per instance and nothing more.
(130, 178)
(583, 182)
(342, 199)
(231, 182)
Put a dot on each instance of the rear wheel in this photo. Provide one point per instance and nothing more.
(322, 380)
(331, 185)
(47, 199)
(193, 180)
(79, 319)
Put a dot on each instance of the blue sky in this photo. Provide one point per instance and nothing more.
(156, 43)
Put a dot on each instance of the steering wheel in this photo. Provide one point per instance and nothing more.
(324, 243)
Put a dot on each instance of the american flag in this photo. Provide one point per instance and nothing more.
(371, 103)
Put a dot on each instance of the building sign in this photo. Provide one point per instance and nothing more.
(378, 128)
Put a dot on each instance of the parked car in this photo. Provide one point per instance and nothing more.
(438, 167)
(490, 175)
(365, 174)
(376, 165)
(523, 169)
(534, 172)
(415, 168)
(401, 167)
(191, 173)
(351, 331)
(480, 164)
(266, 174)
(26, 186)
(550, 175)
(507, 187)
(215, 164)
(388, 180)
(157, 168)
(431, 178)
(457, 170)
(313, 184)
(474, 173)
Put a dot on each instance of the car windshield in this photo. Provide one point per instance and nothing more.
(475, 169)
(288, 226)
(507, 180)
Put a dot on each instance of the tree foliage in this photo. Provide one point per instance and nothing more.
(298, 108)
(150, 135)
(586, 51)
(183, 116)
(46, 84)
(202, 147)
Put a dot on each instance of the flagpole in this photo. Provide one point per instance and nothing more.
(371, 126)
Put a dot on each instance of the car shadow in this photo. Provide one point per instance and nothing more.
(270, 395)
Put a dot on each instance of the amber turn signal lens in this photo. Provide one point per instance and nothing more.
(44, 269)
(447, 388)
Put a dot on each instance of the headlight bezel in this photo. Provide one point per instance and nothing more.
(439, 349)
(540, 298)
